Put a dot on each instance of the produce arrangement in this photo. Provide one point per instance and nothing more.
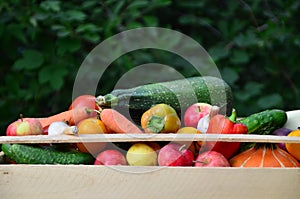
(198, 105)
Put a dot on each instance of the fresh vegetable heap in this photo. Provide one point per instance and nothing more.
(157, 109)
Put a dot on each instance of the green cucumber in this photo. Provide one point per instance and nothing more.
(27, 154)
(265, 122)
(179, 94)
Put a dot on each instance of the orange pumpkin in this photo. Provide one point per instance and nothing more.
(264, 155)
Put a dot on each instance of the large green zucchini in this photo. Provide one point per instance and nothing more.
(177, 93)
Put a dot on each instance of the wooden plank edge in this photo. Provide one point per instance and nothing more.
(138, 168)
(148, 137)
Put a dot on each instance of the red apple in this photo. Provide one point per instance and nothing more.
(195, 112)
(211, 159)
(175, 154)
(110, 157)
(25, 126)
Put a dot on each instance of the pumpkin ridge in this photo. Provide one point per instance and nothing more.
(290, 158)
(249, 153)
(250, 156)
(243, 156)
(277, 158)
(267, 155)
(245, 161)
(263, 156)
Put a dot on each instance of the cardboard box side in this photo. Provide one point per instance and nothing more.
(78, 181)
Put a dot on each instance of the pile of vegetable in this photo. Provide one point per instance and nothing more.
(198, 105)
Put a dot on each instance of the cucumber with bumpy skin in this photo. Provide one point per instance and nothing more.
(27, 154)
(179, 94)
(265, 122)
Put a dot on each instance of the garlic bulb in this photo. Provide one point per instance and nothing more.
(58, 128)
(203, 123)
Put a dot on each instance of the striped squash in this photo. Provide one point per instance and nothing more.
(264, 155)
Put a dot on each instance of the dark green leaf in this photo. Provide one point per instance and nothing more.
(250, 91)
(150, 21)
(87, 28)
(75, 15)
(17, 31)
(118, 8)
(239, 57)
(230, 75)
(191, 4)
(51, 5)
(92, 37)
(67, 45)
(270, 101)
(218, 53)
(137, 4)
(247, 39)
(54, 75)
(63, 33)
(32, 59)
(133, 25)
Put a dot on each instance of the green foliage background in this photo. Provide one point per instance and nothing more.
(255, 45)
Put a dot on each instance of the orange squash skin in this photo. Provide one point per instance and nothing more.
(264, 156)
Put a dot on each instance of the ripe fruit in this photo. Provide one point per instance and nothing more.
(110, 157)
(154, 145)
(91, 126)
(84, 101)
(194, 146)
(24, 126)
(161, 118)
(141, 154)
(294, 148)
(194, 113)
(211, 159)
(175, 154)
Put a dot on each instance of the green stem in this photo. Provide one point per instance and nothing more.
(232, 117)
(107, 100)
(156, 124)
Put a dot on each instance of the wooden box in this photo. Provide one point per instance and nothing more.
(149, 182)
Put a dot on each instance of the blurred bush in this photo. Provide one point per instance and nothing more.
(255, 45)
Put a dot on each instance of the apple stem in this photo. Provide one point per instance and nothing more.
(199, 109)
(21, 117)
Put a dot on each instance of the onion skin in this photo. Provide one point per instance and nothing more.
(282, 132)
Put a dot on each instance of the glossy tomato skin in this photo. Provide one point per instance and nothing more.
(84, 101)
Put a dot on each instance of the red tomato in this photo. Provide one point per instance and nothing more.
(84, 101)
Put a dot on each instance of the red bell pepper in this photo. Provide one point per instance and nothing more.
(220, 124)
